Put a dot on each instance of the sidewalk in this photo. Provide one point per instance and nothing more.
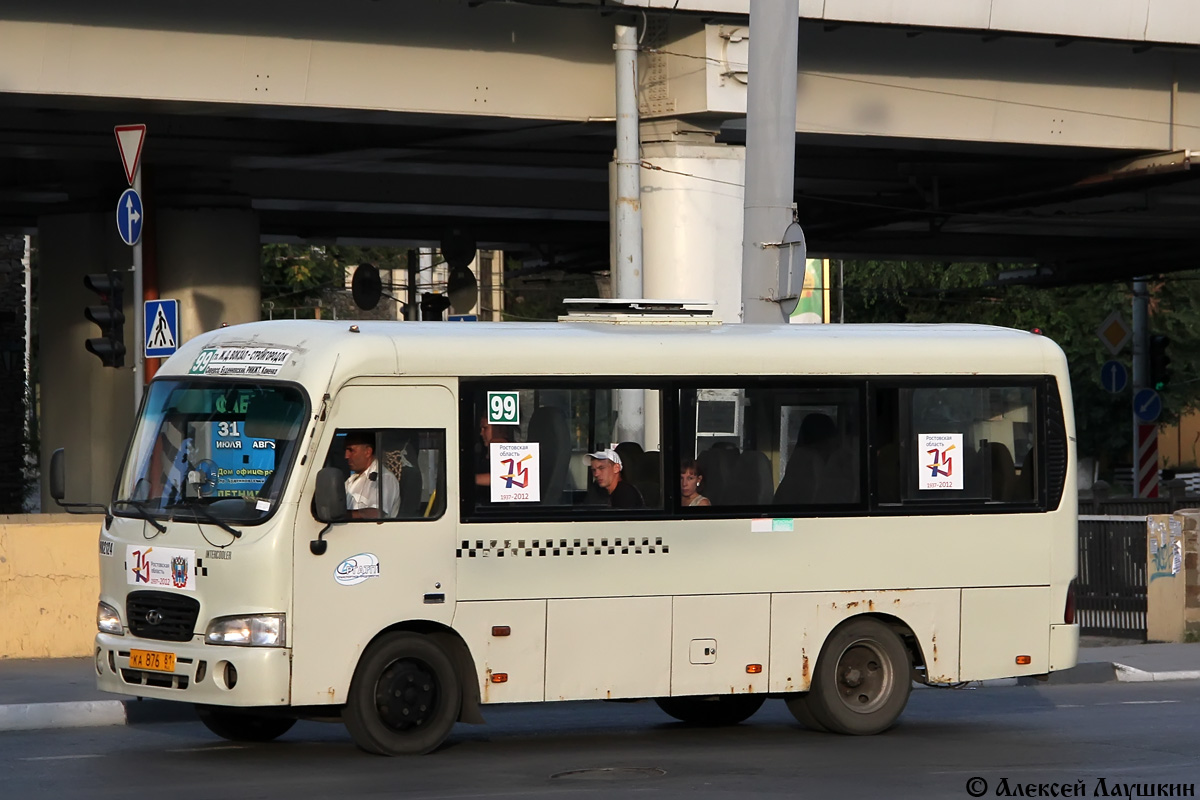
(61, 692)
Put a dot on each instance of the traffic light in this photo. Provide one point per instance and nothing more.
(432, 305)
(110, 346)
(1160, 362)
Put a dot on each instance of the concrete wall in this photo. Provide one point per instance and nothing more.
(49, 582)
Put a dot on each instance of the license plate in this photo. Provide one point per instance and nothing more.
(152, 660)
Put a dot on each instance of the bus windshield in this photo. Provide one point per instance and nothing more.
(206, 450)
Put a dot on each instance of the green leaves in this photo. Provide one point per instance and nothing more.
(900, 291)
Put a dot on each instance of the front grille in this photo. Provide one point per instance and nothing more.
(162, 615)
(137, 677)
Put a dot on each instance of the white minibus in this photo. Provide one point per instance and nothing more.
(397, 524)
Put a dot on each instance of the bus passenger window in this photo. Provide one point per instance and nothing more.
(530, 451)
(761, 447)
(959, 443)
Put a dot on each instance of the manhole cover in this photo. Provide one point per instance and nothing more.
(611, 773)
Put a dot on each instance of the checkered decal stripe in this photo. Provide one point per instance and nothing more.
(536, 548)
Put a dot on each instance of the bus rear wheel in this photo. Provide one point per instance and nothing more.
(862, 680)
(726, 709)
(404, 697)
(239, 725)
(798, 705)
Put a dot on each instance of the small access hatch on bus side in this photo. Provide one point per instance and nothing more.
(703, 651)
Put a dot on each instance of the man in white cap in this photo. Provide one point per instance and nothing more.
(606, 472)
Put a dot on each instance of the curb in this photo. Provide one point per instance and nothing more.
(92, 714)
(1127, 674)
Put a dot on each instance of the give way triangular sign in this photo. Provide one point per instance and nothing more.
(129, 141)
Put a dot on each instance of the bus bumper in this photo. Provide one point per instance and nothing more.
(1064, 646)
(207, 674)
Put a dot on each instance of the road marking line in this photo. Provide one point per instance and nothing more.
(62, 758)
(208, 748)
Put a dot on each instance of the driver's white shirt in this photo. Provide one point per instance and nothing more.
(362, 492)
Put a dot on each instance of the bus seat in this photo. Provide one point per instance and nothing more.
(1025, 487)
(840, 478)
(650, 480)
(1004, 472)
(400, 463)
(753, 484)
(802, 478)
(718, 465)
(548, 427)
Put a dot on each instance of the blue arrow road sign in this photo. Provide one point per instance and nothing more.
(162, 328)
(1147, 405)
(129, 217)
(1114, 377)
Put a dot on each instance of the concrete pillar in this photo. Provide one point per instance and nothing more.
(692, 224)
(209, 260)
(85, 407)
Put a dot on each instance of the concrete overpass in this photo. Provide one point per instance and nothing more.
(1061, 134)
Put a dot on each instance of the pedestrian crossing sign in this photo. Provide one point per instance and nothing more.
(162, 328)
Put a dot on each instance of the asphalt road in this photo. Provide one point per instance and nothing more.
(1124, 733)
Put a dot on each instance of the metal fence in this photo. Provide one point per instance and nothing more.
(1110, 594)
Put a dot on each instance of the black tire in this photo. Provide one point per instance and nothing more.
(862, 680)
(798, 705)
(726, 709)
(240, 725)
(404, 697)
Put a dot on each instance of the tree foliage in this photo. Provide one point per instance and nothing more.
(296, 279)
(895, 291)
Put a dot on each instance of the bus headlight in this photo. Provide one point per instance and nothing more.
(259, 630)
(108, 620)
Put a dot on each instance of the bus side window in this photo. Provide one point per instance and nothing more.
(405, 478)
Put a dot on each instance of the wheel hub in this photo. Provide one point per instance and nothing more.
(406, 695)
(863, 677)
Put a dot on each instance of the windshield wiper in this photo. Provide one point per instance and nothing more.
(194, 504)
(143, 513)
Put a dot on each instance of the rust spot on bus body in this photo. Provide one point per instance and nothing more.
(852, 604)
(804, 667)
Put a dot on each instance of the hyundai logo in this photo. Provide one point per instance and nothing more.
(154, 616)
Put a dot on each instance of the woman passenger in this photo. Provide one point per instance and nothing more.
(689, 485)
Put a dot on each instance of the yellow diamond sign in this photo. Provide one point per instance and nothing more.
(1114, 333)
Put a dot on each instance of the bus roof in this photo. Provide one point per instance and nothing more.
(307, 350)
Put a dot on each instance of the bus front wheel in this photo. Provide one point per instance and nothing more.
(726, 709)
(238, 725)
(862, 680)
(404, 697)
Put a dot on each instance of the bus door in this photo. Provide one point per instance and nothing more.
(392, 559)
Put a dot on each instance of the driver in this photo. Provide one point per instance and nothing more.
(368, 481)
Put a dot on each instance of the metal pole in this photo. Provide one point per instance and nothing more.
(628, 211)
(770, 153)
(627, 246)
(139, 334)
(1141, 307)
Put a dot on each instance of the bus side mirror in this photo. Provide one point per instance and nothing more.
(330, 505)
(58, 481)
(330, 499)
